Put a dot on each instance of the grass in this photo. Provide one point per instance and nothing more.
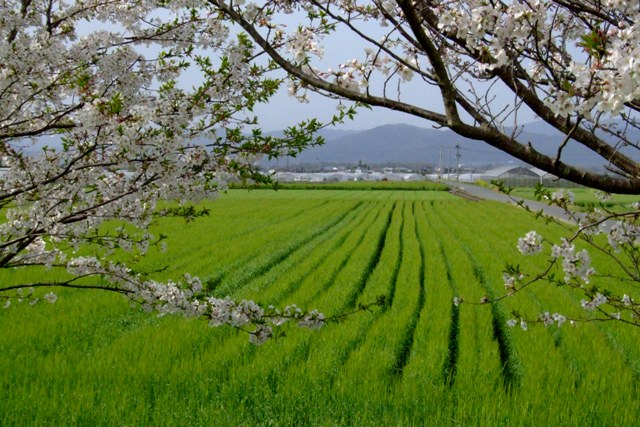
(90, 359)
(584, 197)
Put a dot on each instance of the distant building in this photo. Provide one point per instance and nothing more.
(413, 177)
(519, 176)
(512, 176)
(550, 180)
(344, 176)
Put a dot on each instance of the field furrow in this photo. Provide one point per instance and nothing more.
(356, 258)
(430, 345)
(236, 279)
(413, 247)
(365, 259)
(477, 359)
(289, 354)
(418, 359)
(386, 347)
(333, 255)
(568, 366)
(243, 219)
(284, 276)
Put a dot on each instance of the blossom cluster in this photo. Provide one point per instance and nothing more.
(511, 281)
(575, 264)
(104, 107)
(521, 322)
(187, 298)
(562, 197)
(530, 244)
(545, 318)
(484, 37)
(28, 296)
(620, 246)
(623, 233)
(550, 319)
(126, 128)
(568, 62)
(594, 303)
(602, 79)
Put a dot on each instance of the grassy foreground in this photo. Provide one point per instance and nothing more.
(91, 359)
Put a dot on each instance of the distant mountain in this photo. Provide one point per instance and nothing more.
(543, 128)
(408, 144)
(547, 139)
(401, 143)
(384, 144)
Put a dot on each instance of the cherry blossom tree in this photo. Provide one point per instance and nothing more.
(573, 64)
(97, 123)
(107, 78)
(608, 293)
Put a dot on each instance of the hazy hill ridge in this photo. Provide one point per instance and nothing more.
(407, 144)
(401, 143)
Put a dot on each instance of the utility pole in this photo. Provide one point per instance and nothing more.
(441, 165)
(458, 155)
(448, 164)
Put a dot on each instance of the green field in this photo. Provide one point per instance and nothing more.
(90, 359)
(584, 197)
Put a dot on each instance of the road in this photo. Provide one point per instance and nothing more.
(487, 194)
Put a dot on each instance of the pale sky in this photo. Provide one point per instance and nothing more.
(341, 47)
(284, 111)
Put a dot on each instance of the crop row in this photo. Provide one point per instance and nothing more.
(418, 357)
